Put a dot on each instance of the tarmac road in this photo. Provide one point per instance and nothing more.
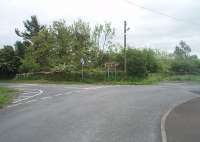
(90, 113)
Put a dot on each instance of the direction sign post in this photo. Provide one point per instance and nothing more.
(82, 63)
(111, 67)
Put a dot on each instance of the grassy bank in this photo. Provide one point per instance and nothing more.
(151, 79)
(195, 78)
(6, 96)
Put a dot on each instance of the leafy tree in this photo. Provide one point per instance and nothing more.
(81, 41)
(32, 27)
(184, 63)
(9, 62)
(136, 63)
(189, 66)
(102, 36)
(183, 50)
(20, 49)
(29, 64)
(62, 42)
(44, 44)
(151, 60)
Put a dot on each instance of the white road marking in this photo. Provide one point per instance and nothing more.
(164, 118)
(93, 88)
(58, 95)
(24, 98)
(10, 106)
(163, 129)
(40, 92)
(45, 98)
(99, 87)
(31, 101)
(25, 93)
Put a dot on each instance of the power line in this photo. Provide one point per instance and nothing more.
(159, 13)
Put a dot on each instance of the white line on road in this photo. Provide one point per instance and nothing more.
(40, 92)
(58, 95)
(45, 98)
(164, 118)
(163, 130)
(94, 88)
(10, 106)
(31, 101)
(25, 93)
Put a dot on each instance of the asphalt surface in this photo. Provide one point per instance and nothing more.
(183, 123)
(89, 113)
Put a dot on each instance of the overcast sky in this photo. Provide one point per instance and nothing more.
(147, 29)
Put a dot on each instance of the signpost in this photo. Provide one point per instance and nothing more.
(82, 64)
(111, 66)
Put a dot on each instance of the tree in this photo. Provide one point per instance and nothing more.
(41, 48)
(182, 51)
(151, 61)
(20, 49)
(102, 37)
(9, 62)
(32, 27)
(81, 45)
(136, 63)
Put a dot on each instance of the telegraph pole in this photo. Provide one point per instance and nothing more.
(125, 61)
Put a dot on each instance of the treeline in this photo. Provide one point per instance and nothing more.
(59, 47)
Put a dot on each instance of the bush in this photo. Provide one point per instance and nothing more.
(152, 63)
(89, 76)
(185, 66)
(29, 65)
(136, 63)
(64, 68)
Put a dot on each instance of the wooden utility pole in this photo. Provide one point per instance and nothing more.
(125, 60)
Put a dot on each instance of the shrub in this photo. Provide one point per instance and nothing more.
(29, 65)
(64, 68)
(152, 63)
(136, 63)
(185, 66)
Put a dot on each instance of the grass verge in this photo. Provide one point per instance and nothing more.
(6, 96)
(151, 79)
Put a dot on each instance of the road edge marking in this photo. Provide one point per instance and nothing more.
(40, 92)
(14, 105)
(31, 101)
(164, 118)
(46, 98)
(163, 128)
(59, 95)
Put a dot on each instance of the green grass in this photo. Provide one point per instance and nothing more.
(195, 78)
(151, 79)
(6, 96)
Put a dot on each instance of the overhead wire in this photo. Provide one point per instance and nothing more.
(131, 2)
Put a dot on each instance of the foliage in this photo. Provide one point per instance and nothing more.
(64, 68)
(152, 63)
(29, 65)
(20, 49)
(32, 27)
(182, 51)
(186, 66)
(56, 49)
(9, 62)
(6, 95)
(136, 63)
(184, 78)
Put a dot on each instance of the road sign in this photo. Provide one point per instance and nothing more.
(82, 61)
(110, 66)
